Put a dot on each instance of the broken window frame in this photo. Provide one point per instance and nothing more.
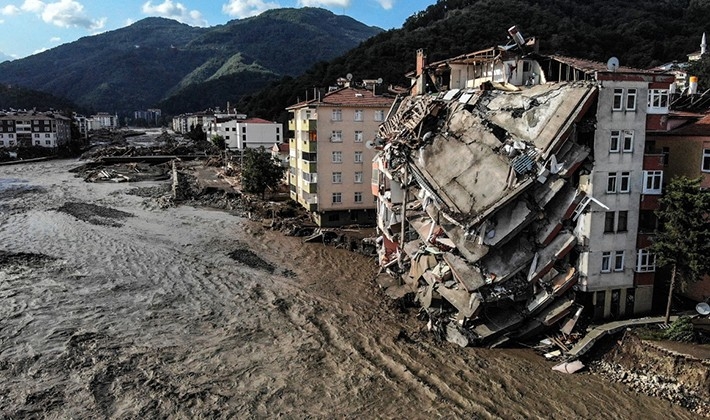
(609, 217)
(615, 141)
(652, 182)
(336, 136)
(619, 261)
(627, 145)
(705, 162)
(337, 198)
(645, 261)
(606, 262)
(622, 221)
(337, 177)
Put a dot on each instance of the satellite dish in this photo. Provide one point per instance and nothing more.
(379, 81)
(612, 64)
(702, 308)
(349, 76)
(370, 144)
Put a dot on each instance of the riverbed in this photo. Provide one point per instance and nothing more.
(111, 307)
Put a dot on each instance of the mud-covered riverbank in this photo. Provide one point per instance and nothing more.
(111, 307)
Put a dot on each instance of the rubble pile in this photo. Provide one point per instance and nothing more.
(129, 172)
(479, 194)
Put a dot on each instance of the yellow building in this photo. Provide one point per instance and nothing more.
(330, 154)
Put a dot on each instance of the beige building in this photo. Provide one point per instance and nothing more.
(24, 129)
(331, 152)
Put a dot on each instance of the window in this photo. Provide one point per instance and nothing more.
(657, 99)
(337, 115)
(628, 145)
(337, 157)
(47, 136)
(11, 135)
(625, 182)
(652, 182)
(12, 143)
(37, 142)
(48, 142)
(379, 115)
(358, 115)
(337, 177)
(621, 221)
(358, 157)
(36, 135)
(244, 129)
(337, 198)
(2, 142)
(336, 136)
(606, 262)
(631, 99)
(615, 221)
(618, 99)
(614, 141)
(706, 160)
(358, 177)
(609, 221)
(645, 261)
(358, 197)
(618, 260)
(611, 183)
(358, 137)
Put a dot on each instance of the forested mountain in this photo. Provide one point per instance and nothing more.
(20, 98)
(641, 33)
(137, 66)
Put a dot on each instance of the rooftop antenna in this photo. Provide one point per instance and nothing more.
(612, 64)
(703, 45)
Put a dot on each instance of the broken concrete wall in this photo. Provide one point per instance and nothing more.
(491, 186)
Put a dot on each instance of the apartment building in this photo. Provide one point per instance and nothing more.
(240, 132)
(331, 151)
(24, 129)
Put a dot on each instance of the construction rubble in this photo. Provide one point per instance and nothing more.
(479, 192)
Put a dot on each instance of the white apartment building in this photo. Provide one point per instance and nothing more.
(24, 129)
(245, 133)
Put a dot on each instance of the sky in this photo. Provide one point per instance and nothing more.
(31, 26)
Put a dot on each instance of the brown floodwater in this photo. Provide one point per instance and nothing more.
(111, 307)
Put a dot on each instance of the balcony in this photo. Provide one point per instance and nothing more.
(309, 146)
(291, 125)
(308, 166)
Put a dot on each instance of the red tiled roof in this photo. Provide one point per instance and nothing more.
(699, 128)
(349, 96)
(257, 121)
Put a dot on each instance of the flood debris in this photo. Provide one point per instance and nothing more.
(94, 214)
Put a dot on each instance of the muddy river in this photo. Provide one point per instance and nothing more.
(111, 307)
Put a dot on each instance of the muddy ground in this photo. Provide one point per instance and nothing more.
(112, 307)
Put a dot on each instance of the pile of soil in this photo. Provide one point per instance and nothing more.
(94, 214)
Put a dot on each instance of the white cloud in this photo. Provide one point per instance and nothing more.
(41, 50)
(175, 11)
(9, 10)
(63, 13)
(55, 39)
(324, 3)
(245, 8)
(35, 6)
(386, 4)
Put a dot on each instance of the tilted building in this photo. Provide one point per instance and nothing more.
(510, 188)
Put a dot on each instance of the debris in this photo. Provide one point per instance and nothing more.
(569, 367)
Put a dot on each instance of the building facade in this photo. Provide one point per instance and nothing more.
(24, 129)
(240, 132)
(331, 151)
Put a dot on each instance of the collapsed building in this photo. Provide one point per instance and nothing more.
(510, 191)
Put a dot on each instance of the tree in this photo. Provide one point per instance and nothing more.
(218, 141)
(682, 241)
(260, 171)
